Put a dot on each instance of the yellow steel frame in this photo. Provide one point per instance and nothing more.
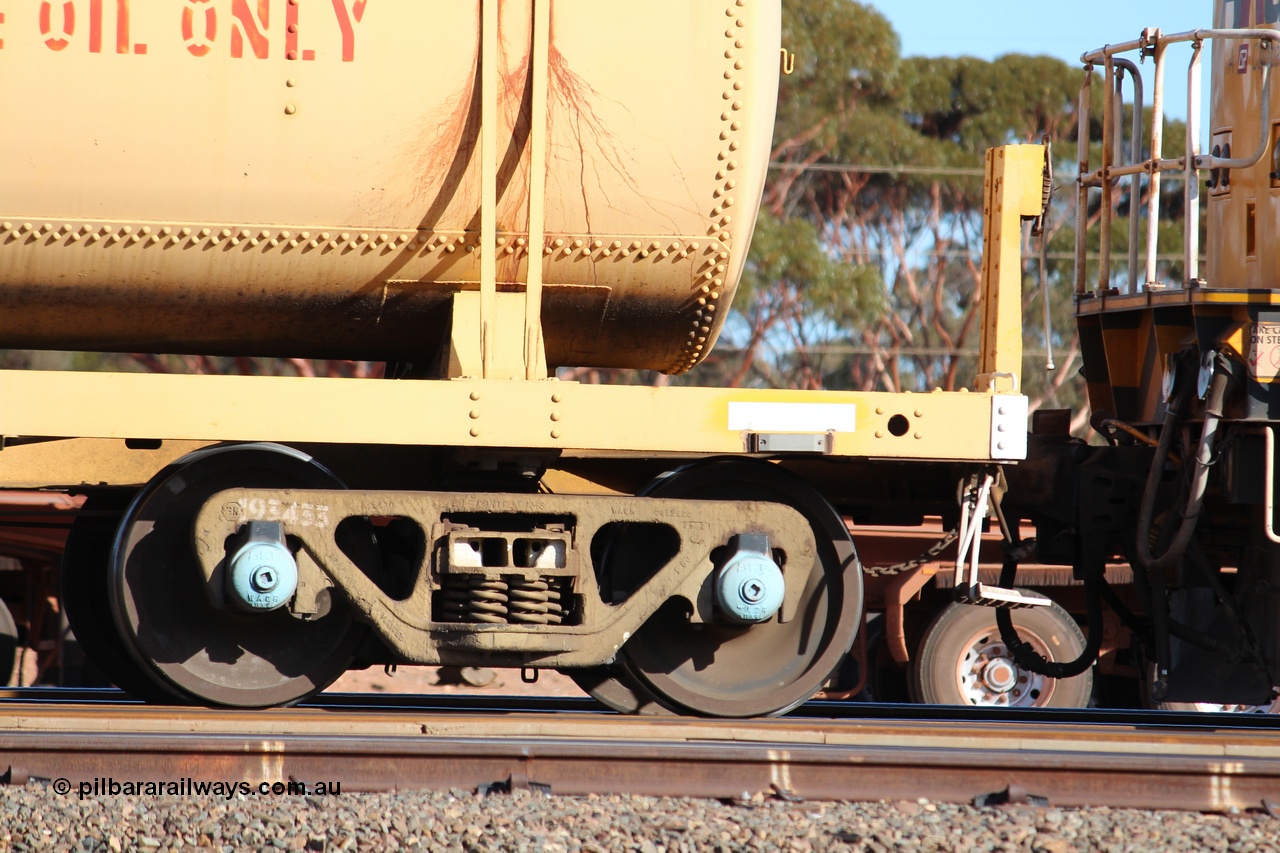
(485, 413)
(1013, 190)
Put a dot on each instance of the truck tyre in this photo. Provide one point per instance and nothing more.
(963, 661)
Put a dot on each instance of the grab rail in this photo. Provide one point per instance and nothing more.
(1152, 43)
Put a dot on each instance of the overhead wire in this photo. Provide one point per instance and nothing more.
(861, 168)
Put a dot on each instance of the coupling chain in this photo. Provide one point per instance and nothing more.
(928, 556)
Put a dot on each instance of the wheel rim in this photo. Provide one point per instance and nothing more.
(85, 566)
(717, 669)
(615, 688)
(1213, 708)
(987, 675)
(612, 685)
(162, 614)
(8, 643)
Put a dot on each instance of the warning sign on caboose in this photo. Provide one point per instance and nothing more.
(1264, 352)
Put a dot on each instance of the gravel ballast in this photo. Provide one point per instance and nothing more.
(35, 817)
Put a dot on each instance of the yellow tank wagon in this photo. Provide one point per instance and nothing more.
(484, 192)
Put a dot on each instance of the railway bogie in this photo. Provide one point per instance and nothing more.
(729, 588)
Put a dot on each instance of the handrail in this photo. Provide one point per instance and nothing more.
(1208, 161)
(1191, 186)
(1112, 148)
(1153, 43)
(1108, 160)
(1082, 188)
(1269, 484)
(1135, 151)
(1142, 43)
(1157, 152)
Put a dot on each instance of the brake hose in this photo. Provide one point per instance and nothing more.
(1023, 653)
(1200, 474)
(1156, 566)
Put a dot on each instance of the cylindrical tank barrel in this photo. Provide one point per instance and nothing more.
(279, 178)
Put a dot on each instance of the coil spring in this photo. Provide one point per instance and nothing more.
(472, 598)
(535, 603)
(505, 600)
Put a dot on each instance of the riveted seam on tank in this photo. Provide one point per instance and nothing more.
(709, 276)
(559, 247)
(232, 236)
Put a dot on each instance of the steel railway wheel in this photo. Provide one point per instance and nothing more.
(1272, 707)
(185, 646)
(963, 661)
(725, 670)
(1219, 708)
(8, 643)
(85, 561)
(614, 687)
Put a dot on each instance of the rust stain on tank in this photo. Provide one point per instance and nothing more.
(445, 153)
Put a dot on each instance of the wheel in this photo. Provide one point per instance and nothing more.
(185, 646)
(614, 687)
(723, 670)
(1215, 708)
(85, 561)
(885, 682)
(8, 643)
(1196, 607)
(1202, 707)
(963, 661)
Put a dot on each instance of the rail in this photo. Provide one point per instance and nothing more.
(1114, 167)
(1191, 761)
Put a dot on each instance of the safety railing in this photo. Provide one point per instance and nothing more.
(1116, 167)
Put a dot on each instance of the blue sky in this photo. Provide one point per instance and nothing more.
(989, 28)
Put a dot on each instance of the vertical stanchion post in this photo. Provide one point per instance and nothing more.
(489, 181)
(537, 187)
(1013, 190)
(1192, 178)
(1157, 142)
(1082, 188)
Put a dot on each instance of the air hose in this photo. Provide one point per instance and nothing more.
(1023, 653)
(1199, 476)
(1155, 566)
